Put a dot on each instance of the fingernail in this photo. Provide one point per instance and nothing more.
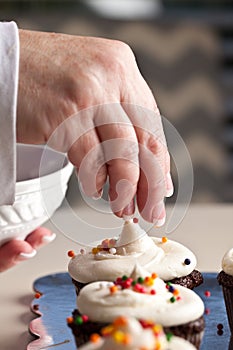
(97, 195)
(127, 217)
(48, 239)
(169, 185)
(129, 209)
(159, 214)
(159, 222)
(24, 256)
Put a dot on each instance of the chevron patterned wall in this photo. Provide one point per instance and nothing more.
(182, 64)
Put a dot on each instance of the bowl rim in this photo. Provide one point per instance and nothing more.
(30, 185)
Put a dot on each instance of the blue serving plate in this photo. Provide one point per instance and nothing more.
(59, 299)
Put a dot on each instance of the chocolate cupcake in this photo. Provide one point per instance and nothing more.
(128, 333)
(117, 256)
(142, 296)
(225, 279)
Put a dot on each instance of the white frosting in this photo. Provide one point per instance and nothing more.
(133, 245)
(227, 262)
(140, 338)
(99, 304)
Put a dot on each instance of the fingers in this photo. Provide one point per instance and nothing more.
(155, 180)
(14, 252)
(120, 148)
(40, 237)
(17, 251)
(87, 155)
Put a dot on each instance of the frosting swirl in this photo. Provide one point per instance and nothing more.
(114, 257)
(146, 298)
(128, 333)
(227, 262)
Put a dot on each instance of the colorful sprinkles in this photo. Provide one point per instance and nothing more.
(77, 320)
(142, 285)
(107, 245)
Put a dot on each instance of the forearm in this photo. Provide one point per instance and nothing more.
(9, 66)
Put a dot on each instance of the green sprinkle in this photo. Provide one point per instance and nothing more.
(169, 336)
(133, 283)
(78, 320)
(172, 299)
(124, 278)
(140, 280)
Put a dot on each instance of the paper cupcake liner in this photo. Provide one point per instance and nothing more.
(192, 331)
(191, 281)
(228, 297)
(78, 286)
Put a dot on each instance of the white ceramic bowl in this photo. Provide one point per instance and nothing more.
(42, 178)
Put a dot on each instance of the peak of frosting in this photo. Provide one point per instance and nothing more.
(227, 262)
(138, 271)
(128, 333)
(130, 232)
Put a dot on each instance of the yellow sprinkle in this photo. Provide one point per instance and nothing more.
(118, 336)
(164, 239)
(157, 328)
(95, 250)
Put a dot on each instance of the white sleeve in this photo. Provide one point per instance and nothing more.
(9, 71)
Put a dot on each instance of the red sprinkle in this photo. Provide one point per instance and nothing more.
(84, 318)
(153, 292)
(71, 253)
(207, 311)
(207, 293)
(37, 295)
(135, 220)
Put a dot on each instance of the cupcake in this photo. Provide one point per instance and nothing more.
(225, 279)
(117, 256)
(128, 333)
(142, 296)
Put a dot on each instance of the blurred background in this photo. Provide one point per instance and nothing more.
(185, 52)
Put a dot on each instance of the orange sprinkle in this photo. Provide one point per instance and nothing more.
(94, 338)
(95, 250)
(154, 276)
(37, 295)
(107, 330)
(69, 319)
(113, 289)
(127, 339)
(71, 253)
(120, 321)
(176, 292)
(164, 239)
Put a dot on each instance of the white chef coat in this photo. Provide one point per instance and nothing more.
(9, 71)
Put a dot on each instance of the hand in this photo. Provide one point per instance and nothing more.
(120, 137)
(15, 251)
